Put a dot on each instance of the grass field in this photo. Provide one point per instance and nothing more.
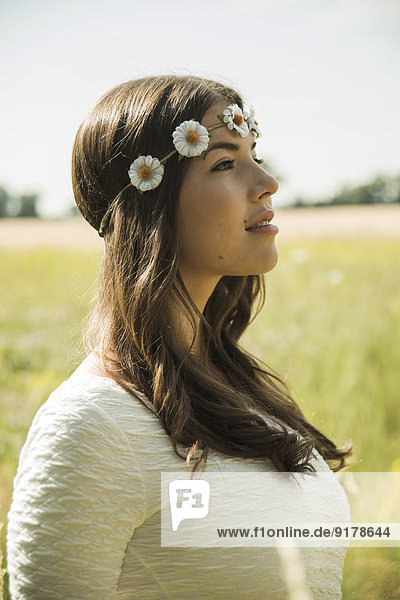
(330, 326)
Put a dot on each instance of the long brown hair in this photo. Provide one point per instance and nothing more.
(209, 402)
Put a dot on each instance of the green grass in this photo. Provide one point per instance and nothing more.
(329, 325)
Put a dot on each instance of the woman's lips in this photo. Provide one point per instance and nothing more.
(270, 228)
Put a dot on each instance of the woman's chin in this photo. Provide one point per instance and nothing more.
(270, 261)
(264, 267)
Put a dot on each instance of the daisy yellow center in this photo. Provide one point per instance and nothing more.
(144, 173)
(255, 122)
(192, 137)
(238, 120)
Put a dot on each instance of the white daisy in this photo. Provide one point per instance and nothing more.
(235, 119)
(253, 124)
(190, 138)
(146, 173)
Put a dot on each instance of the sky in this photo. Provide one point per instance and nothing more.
(323, 76)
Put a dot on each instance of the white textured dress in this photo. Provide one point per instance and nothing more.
(84, 521)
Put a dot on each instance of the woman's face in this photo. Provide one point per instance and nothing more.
(221, 195)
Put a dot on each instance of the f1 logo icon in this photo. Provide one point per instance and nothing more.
(188, 499)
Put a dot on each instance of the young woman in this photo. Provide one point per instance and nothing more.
(165, 168)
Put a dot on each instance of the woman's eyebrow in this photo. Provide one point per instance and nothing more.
(226, 146)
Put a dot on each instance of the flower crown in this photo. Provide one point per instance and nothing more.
(190, 139)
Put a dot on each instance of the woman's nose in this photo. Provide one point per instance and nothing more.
(272, 183)
(266, 186)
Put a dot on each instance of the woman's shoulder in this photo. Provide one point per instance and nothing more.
(89, 390)
(89, 406)
(68, 421)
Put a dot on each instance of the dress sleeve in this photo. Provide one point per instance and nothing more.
(78, 497)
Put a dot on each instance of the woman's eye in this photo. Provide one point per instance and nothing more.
(226, 162)
(229, 164)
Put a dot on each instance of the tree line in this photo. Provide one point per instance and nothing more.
(381, 190)
(24, 205)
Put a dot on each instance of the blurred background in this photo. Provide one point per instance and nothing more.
(323, 76)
